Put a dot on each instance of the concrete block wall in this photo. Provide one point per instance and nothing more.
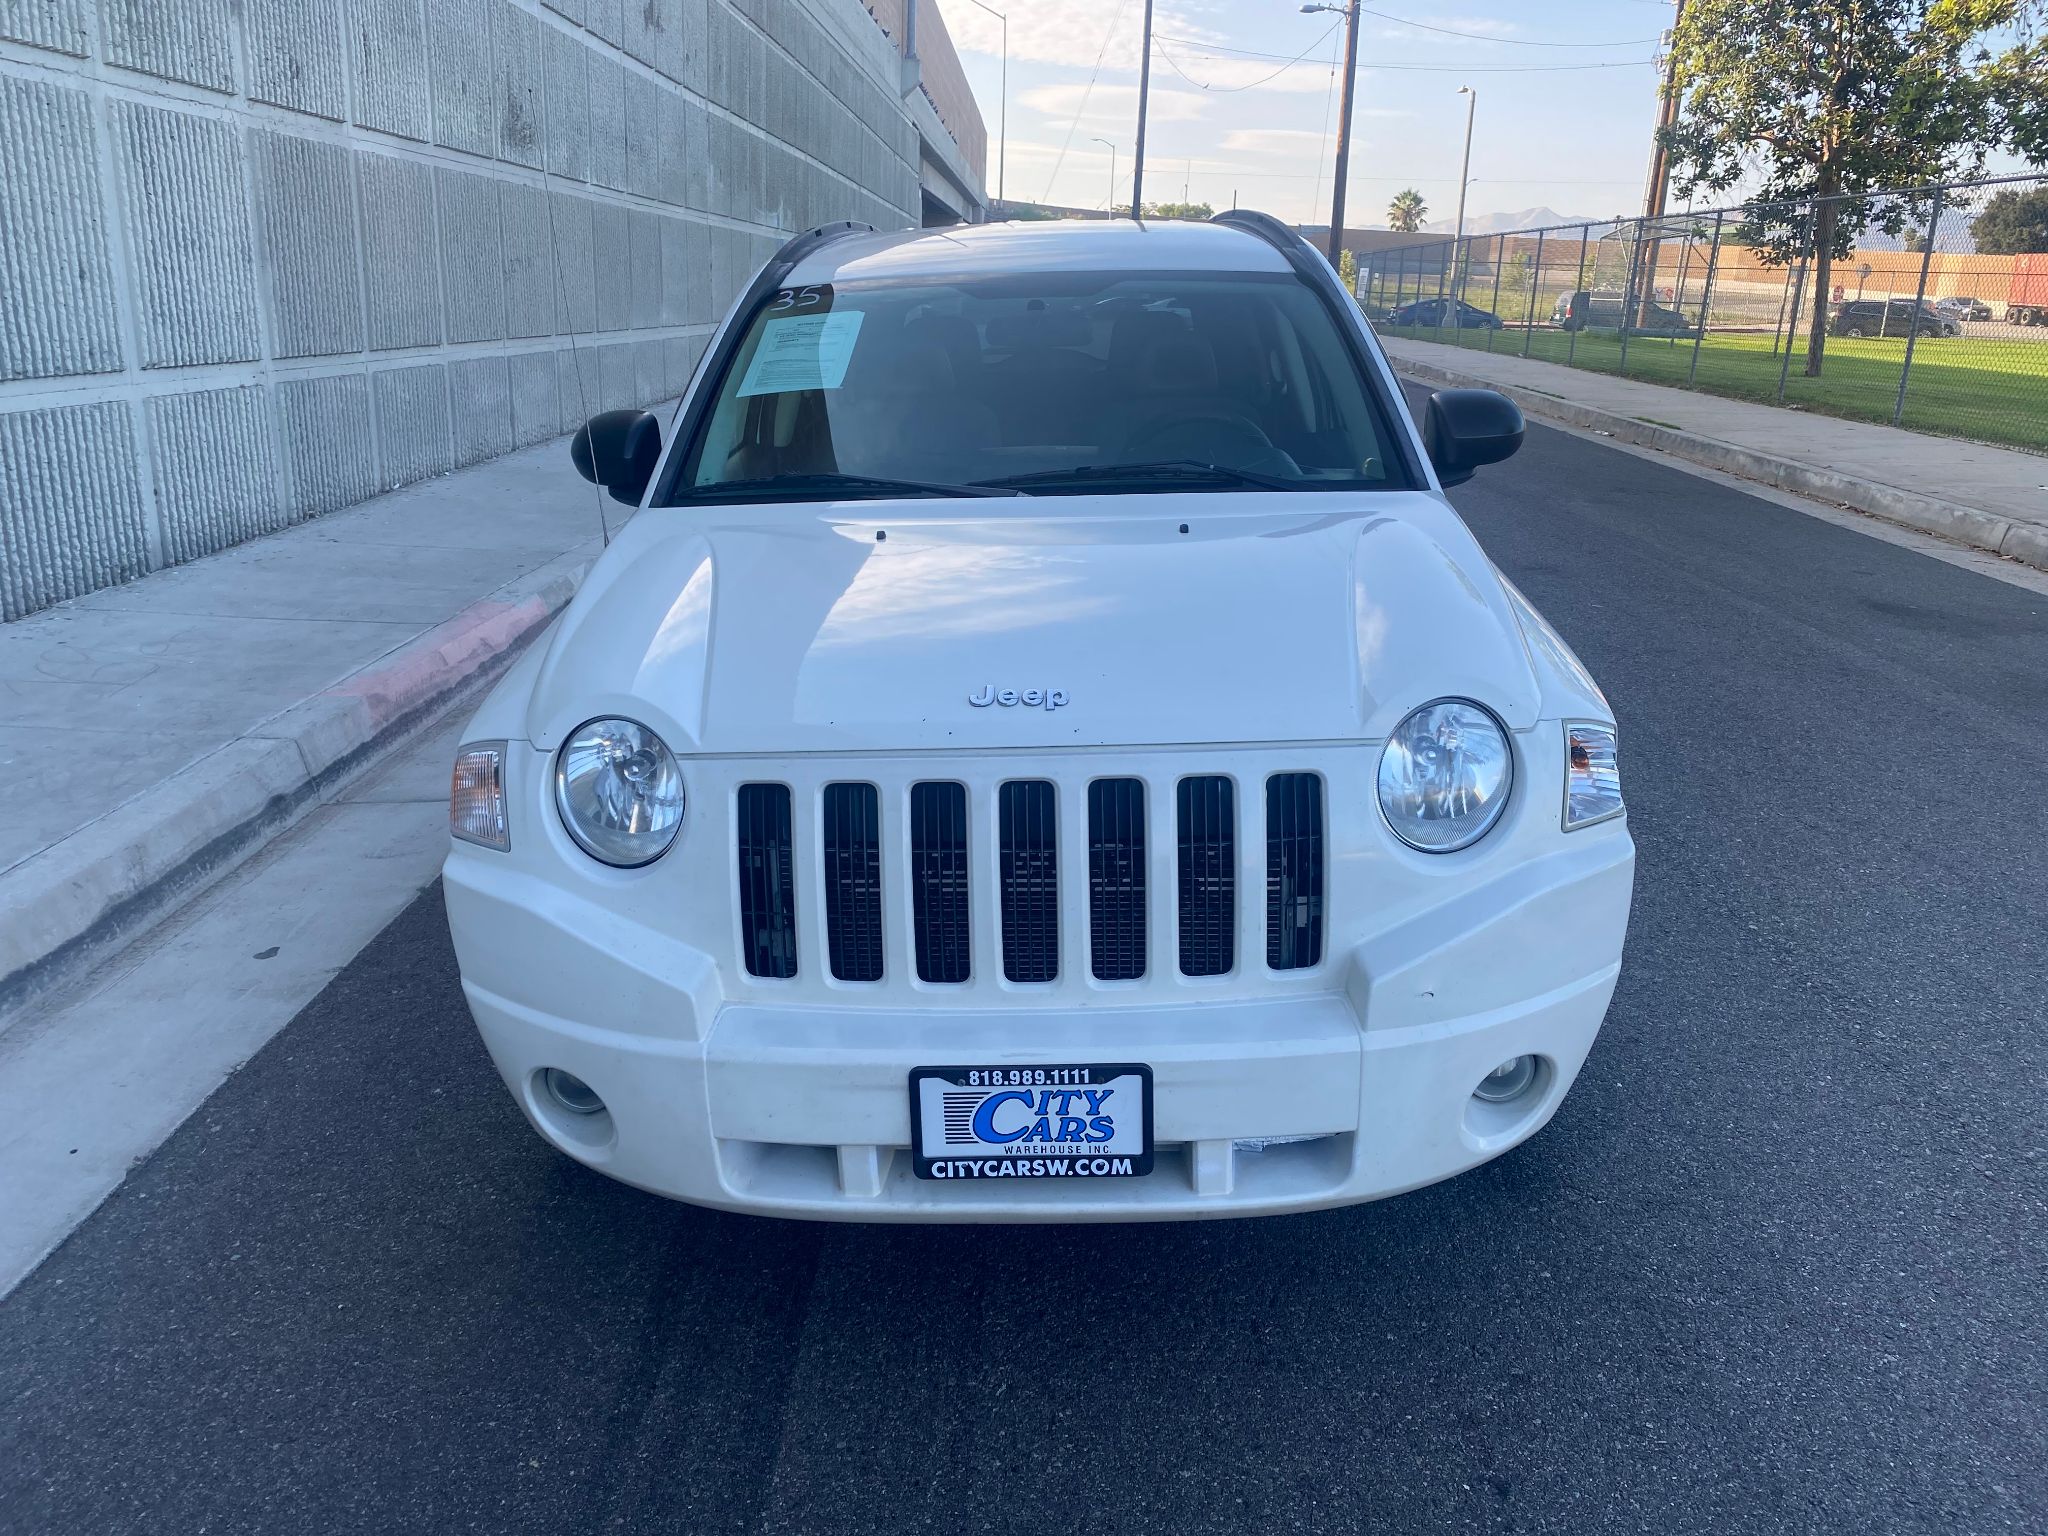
(261, 259)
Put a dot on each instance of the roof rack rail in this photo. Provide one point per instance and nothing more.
(1287, 241)
(798, 246)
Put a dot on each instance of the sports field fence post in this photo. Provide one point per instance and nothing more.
(1919, 298)
(1628, 291)
(1500, 256)
(1792, 325)
(1535, 286)
(1571, 345)
(1699, 332)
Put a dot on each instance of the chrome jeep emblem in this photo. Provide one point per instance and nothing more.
(1050, 698)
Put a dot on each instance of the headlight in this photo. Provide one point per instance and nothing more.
(1592, 778)
(619, 791)
(476, 797)
(1445, 776)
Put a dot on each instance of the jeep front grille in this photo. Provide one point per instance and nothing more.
(1205, 818)
(938, 882)
(853, 881)
(1294, 871)
(1027, 847)
(1116, 878)
(926, 854)
(767, 880)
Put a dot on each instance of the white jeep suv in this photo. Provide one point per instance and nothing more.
(1045, 750)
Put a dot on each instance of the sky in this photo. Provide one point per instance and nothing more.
(1231, 119)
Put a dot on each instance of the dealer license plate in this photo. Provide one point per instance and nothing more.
(1081, 1122)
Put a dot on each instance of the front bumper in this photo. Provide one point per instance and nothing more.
(802, 1109)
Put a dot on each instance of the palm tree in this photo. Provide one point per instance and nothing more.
(1406, 210)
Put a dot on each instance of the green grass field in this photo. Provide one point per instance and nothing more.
(1988, 391)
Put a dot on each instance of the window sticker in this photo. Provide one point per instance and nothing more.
(802, 352)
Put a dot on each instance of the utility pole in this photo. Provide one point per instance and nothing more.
(1144, 93)
(1667, 116)
(1335, 245)
(1660, 167)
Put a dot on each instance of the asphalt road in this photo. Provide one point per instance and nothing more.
(1778, 1265)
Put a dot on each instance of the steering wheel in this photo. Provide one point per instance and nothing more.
(1211, 437)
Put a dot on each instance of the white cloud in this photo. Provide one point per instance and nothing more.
(1295, 142)
(1112, 104)
(1276, 141)
(1471, 29)
(1487, 25)
(1068, 32)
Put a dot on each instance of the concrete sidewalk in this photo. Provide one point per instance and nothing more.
(1993, 499)
(154, 734)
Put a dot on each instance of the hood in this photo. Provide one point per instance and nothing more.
(866, 626)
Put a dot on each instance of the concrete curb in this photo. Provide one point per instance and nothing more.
(115, 876)
(2022, 542)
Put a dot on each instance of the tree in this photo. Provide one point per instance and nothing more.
(1406, 211)
(2012, 223)
(1347, 270)
(1195, 211)
(1824, 104)
(1915, 241)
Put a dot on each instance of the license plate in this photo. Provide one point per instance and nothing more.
(1079, 1122)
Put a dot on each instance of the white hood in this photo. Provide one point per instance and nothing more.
(1282, 617)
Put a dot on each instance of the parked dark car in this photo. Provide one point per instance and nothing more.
(1576, 311)
(1459, 315)
(1964, 307)
(1891, 317)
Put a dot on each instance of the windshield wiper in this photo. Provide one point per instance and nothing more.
(1163, 469)
(881, 485)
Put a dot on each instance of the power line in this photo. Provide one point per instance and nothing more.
(1254, 85)
(1200, 48)
(1323, 139)
(1511, 69)
(1448, 179)
(1115, 16)
(1514, 42)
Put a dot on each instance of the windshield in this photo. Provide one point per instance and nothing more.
(1052, 382)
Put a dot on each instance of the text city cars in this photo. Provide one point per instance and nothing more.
(1276, 858)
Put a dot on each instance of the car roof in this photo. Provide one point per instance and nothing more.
(1048, 245)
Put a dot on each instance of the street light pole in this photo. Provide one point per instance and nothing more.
(1144, 92)
(1003, 110)
(1109, 208)
(1465, 168)
(1349, 12)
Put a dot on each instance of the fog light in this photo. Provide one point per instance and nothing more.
(571, 1092)
(1509, 1080)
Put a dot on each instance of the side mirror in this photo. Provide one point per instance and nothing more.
(1465, 428)
(618, 450)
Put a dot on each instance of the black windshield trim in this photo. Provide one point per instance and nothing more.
(835, 487)
(1174, 474)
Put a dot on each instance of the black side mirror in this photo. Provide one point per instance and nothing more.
(1465, 428)
(618, 450)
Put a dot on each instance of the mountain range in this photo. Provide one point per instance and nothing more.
(1508, 223)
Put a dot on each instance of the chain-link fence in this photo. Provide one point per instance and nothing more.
(1933, 315)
